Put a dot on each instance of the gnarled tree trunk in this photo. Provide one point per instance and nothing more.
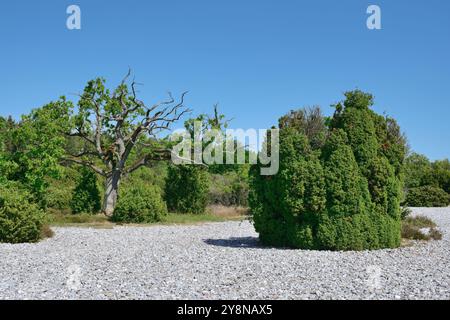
(111, 193)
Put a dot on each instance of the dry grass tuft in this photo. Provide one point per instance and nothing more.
(412, 229)
(227, 212)
(46, 232)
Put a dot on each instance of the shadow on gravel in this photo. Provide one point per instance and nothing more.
(239, 242)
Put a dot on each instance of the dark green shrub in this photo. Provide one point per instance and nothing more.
(286, 206)
(20, 220)
(59, 197)
(60, 190)
(187, 189)
(139, 203)
(347, 224)
(340, 193)
(86, 196)
(357, 122)
(427, 196)
(347, 192)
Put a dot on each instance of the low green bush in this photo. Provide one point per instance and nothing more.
(20, 220)
(86, 196)
(187, 189)
(427, 196)
(139, 203)
(58, 197)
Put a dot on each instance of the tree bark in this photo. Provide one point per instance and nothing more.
(111, 193)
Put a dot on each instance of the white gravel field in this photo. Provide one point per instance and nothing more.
(217, 261)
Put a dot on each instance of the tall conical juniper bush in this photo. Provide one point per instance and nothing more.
(343, 195)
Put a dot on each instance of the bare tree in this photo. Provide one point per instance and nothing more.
(308, 121)
(113, 126)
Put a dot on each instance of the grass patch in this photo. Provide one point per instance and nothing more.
(214, 214)
(227, 212)
(60, 219)
(420, 222)
(177, 218)
(78, 218)
(413, 229)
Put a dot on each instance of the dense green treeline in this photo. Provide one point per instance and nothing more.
(427, 183)
(340, 185)
(103, 155)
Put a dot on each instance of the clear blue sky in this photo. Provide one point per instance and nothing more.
(257, 58)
